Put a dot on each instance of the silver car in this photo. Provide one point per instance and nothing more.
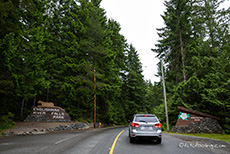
(145, 126)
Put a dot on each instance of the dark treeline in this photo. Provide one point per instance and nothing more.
(49, 51)
(194, 45)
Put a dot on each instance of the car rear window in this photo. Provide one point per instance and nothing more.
(146, 119)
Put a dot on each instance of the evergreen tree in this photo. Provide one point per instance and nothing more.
(175, 38)
(205, 57)
(134, 86)
(153, 99)
(22, 53)
(113, 65)
(10, 26)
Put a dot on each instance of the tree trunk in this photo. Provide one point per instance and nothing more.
(34, 101)
(210, 23)
(22, 108)
(182, 54)
(47, 95)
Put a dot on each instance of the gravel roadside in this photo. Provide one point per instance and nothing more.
(32, 128)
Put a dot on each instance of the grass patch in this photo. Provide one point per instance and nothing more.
(222, 137)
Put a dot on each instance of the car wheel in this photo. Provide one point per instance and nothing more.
(159, 140)
(131, 140)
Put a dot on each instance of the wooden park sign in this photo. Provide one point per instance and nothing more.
(190, 121)
(47, 112)
(187, 116)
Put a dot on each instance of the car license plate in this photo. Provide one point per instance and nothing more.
(146, 128)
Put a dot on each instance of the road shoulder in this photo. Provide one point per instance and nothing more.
(214, 145)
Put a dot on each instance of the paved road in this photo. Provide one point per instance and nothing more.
(100, 141)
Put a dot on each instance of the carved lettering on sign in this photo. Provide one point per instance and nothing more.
(38, 113)
(187, 116)
(47, 111)
(51, 113)
(197, 118)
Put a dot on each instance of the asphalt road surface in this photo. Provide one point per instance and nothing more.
(108, 141)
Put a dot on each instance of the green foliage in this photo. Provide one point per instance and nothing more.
(152, 98)
(200, 29)
(6, 122)
(50, 49)
(134, 87)
(51, 53)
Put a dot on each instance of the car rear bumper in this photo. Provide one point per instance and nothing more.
(146, 134)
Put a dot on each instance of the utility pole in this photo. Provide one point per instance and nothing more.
(94, 98)
(166, 108)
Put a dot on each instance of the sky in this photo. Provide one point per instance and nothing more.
(138, 21)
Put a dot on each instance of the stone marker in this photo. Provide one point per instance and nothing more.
(47, 112)
(190, 121)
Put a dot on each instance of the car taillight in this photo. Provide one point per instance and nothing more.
(135, 125)
(158, 125)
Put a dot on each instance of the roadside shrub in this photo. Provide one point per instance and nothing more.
(6, 122)
(84, 120)
(226, 126)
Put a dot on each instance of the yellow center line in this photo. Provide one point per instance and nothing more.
(114, 143)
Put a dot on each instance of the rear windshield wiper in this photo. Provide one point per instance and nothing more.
(143, 121)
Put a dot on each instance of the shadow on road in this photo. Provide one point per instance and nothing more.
(141, 141)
